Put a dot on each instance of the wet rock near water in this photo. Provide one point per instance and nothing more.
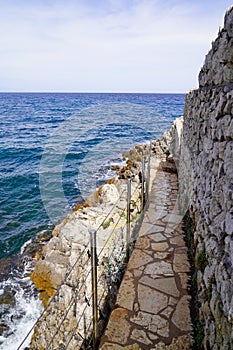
(133, 161)
(3, 328)
(7, 298)
(16, 287)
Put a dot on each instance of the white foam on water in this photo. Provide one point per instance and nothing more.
(24, 246)
(106, 172)
(22, 315)
(19, 328)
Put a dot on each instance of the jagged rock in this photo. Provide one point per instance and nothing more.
(47, 277)
(109, 194)
(168, 166)
(228, 22)
(3, 328)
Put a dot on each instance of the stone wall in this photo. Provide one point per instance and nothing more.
(203, 146)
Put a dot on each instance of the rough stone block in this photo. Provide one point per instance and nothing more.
(150, 300)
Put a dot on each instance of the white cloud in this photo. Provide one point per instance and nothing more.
(141, 45)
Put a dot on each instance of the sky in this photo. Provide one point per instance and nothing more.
(106, 45)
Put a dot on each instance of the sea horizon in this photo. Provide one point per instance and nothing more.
(93, 92)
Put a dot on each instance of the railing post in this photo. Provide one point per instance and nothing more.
(85, 331)
(143, 183)
(94, 287)
(148, 174)
(128, 219)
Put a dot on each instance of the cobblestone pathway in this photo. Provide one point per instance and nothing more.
(152, 308)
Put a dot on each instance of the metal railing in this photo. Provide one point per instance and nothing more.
(101, 270)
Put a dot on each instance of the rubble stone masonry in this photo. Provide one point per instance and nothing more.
(202, 142)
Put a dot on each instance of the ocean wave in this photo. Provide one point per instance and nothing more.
(19, 306)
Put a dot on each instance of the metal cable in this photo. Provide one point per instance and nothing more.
(120, 254)
(114, 206)
(80, 286)
(52, 299)
(110, 235)
(63, 282)
(76, 262)
(59, 327)
(74, 330)
(138, 186)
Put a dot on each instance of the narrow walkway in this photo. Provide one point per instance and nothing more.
(152, 308)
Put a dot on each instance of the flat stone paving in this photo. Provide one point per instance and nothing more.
(152, 307)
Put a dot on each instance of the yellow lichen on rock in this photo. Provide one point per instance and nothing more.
(43, 283)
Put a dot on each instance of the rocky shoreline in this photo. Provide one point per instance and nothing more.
(43, 255)
(62, 266)
(18, 268)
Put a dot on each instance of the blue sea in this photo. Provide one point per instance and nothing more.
(55, 149)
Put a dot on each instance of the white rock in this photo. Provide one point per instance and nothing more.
(109, 194)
